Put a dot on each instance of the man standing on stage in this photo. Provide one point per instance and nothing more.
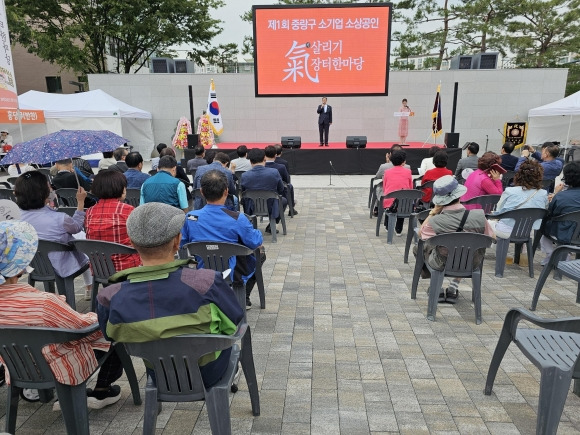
(324, 121)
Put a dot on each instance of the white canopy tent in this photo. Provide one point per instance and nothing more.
(557, 121)
(93, 110)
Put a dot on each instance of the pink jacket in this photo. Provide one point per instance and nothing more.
(479, 183)
(396, 178)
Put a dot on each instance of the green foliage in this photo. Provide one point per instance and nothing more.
(223, 55)
(573, 83)
(77, 34)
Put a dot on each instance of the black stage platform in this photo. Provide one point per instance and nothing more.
(345, 161)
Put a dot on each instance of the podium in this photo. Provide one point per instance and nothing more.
(403, 114)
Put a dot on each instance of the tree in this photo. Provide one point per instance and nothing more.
(223, 55)
(77, 34)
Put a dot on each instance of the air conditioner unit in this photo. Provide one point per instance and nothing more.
(485, 60)
(183, 66)
(162, 65)
(461, 62)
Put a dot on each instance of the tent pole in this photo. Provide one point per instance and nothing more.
(568, 135)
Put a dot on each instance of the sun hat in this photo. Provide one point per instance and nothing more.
(18, 245)
(447, 189)
(154, 224)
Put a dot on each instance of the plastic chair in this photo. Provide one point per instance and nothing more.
(67, 197)
(507, 179)
(133, 197)
(21, 349)
(407, 199)
(261, 208)
(378, 187)
(555, 350)
(372, 187)
(521, 234)
(461, 248)
(100, 255)
(288, 197)
(548, 185)
(7, 194)
(46, 172)
(44, 272)
(12, 180)
(414, 219)
(152, 172)
(568, 268)
(68, 210)
(422, 187)
(487, 202)
(197, 194)
(175, 361)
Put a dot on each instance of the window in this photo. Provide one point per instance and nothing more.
(53, 85)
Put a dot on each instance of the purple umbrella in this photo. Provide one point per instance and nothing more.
(63, 144)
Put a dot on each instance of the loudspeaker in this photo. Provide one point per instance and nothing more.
(291, 141)
(356, 141)
(192, 141)
(452, 140)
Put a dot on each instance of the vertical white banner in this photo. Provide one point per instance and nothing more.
(213, 111)
(8, 95)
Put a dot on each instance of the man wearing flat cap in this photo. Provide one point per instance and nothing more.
(167, 297)
(449, 216)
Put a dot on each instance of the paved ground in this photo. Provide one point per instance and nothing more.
(342, 348)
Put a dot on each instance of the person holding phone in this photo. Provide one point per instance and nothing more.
(485, 180)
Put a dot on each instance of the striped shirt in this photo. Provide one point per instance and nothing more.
(72, 362)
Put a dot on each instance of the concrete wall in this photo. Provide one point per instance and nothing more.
(486, 100)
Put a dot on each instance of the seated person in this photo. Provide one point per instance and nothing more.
(22, 305)
(83, 167)
(440, 159)
(120, 154)
(548, 158)
(389, 164)
(241, 163)
(270, 151)
(508, 162)
(107, 161)
(526, 192)
(19, 168)
(179, 174)
(167, 297)
(565, 199)
(135, 178)
(6, 141)
(262, 178)
(214, 222)
(65, 177)
(427, 163)
(447, 217)
(468, 162)
(279, 158)
(396, 178)
(198, 161)
(33, 194)
(107, 219)
(221, 162)
(164, 187)
(155, 160)
(484, 180)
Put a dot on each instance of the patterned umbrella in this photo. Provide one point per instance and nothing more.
(63, 144)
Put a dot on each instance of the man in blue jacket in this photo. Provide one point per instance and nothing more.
(547, 158)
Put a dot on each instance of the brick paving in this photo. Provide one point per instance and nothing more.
(342, 348)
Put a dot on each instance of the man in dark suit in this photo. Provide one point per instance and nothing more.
(279, 158)
(324, 121)
(508, 162)
(262, 178)
(271, 163)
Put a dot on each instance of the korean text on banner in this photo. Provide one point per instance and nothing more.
(213, 111)
(8, 95)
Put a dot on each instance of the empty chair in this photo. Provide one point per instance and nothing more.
(21, 349)
(487, 202)
(260, 208)
(568, 268)
(554, 349)
(100, 255)
(7, 194)
(406, 200)
(524, 219)
(67, 197)
(44, 271)
(461, 251)
(133, 197)
(175, 361)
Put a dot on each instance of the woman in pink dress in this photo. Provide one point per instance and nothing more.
(404, 122)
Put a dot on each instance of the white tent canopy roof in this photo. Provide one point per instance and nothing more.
(91, 104)
(566, 106)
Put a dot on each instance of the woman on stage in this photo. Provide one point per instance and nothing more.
(404, 123)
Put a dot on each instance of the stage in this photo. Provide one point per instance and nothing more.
(312, 159)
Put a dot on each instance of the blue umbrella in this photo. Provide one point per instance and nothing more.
(63, 144)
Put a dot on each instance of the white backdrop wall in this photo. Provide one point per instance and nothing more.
(486, 100)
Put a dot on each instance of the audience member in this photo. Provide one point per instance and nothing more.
(180, 173)
(164, 187)
(107, 219)
(22, 305)
(19, 168)
(209, 156)
(155, 160)
(449, 216)
(279, 158)
(262, 178)
(427, 163)
(484, 180)
(270, 152)
(547, 158)
(83, 167)
(120, 154)
(33, 194)
(221, 163)
(565, 199)
(440, 159)
(389, 164)
(527, 192)
(135, 178)
(469, 162)
(396, 178)
(167, 297)
(241, 163)
(6, 141)
(214, 222)
(199, 159)
(508, 162)
(107, 161)
(65, 178)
